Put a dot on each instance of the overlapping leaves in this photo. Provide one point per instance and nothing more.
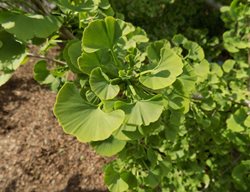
(165, 72)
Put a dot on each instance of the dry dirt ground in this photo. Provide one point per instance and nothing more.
(35, 154)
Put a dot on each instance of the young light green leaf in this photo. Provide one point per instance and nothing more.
(195, 52)
(165, 73)
(235, 122)
(85, 121)
(101, 85)
(202, 70)
(142, 112)
(228, 65)
(154, 50)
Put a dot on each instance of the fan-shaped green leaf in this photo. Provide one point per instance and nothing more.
(40, 71)
(108, 147)
(101, 34)
(228, 65)
(85, 121)
(101, 85)
(195, 52)
(89, 61)
(165, 73)
(142, 112)
(236, 120)
(202, 70)
(154, 50)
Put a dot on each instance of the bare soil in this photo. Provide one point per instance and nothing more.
(35, 154)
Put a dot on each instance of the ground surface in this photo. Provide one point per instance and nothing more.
(35, 154)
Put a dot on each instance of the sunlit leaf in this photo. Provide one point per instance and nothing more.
(142, 112)
(85, 121)
(108, 147)
(235, 122)
(165, 73)
(101, 85)
(101, 34)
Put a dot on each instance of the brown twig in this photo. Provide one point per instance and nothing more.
(46, 58)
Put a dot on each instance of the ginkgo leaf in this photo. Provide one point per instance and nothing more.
(12, 53)
(142, 112)
(101, 34)
(125, 131)
(108, 147)
(101, 85)
(85, 121)
(202, 70)
(236, 120)
(26, 27)
(228, 65)
(89, 61)
(154, 50)
(71, 53)
(165, 73)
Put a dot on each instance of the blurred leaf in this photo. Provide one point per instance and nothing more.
(26, 27)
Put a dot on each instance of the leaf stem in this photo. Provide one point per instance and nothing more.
(146, 72)
(115, 58)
